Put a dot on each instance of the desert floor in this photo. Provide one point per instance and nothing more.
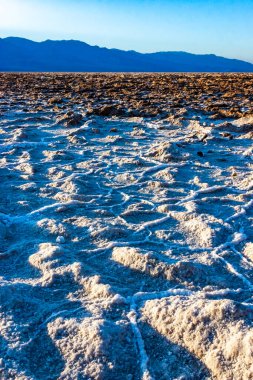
(126, 237)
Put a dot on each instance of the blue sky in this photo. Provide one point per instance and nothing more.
(223, 27)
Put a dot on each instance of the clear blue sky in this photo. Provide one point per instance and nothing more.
(223, 27)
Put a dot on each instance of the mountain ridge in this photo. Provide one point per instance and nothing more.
(21, 54)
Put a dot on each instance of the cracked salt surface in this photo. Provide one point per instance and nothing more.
(125, 255)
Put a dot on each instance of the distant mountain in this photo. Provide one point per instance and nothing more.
(19, 54)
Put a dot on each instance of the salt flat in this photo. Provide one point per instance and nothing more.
(126, 239)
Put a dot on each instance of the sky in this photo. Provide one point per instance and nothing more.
(222, 27)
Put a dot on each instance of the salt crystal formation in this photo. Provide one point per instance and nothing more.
(126, 239)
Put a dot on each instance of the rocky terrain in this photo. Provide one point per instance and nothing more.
(126, 239)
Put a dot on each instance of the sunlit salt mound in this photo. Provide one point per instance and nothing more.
(217, 332)
(93, 348)
(247, 120)
(166, 152)
(241, 125)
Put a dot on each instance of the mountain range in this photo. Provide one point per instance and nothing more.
(22, 55)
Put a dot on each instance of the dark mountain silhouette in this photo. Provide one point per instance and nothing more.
(19, 54)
